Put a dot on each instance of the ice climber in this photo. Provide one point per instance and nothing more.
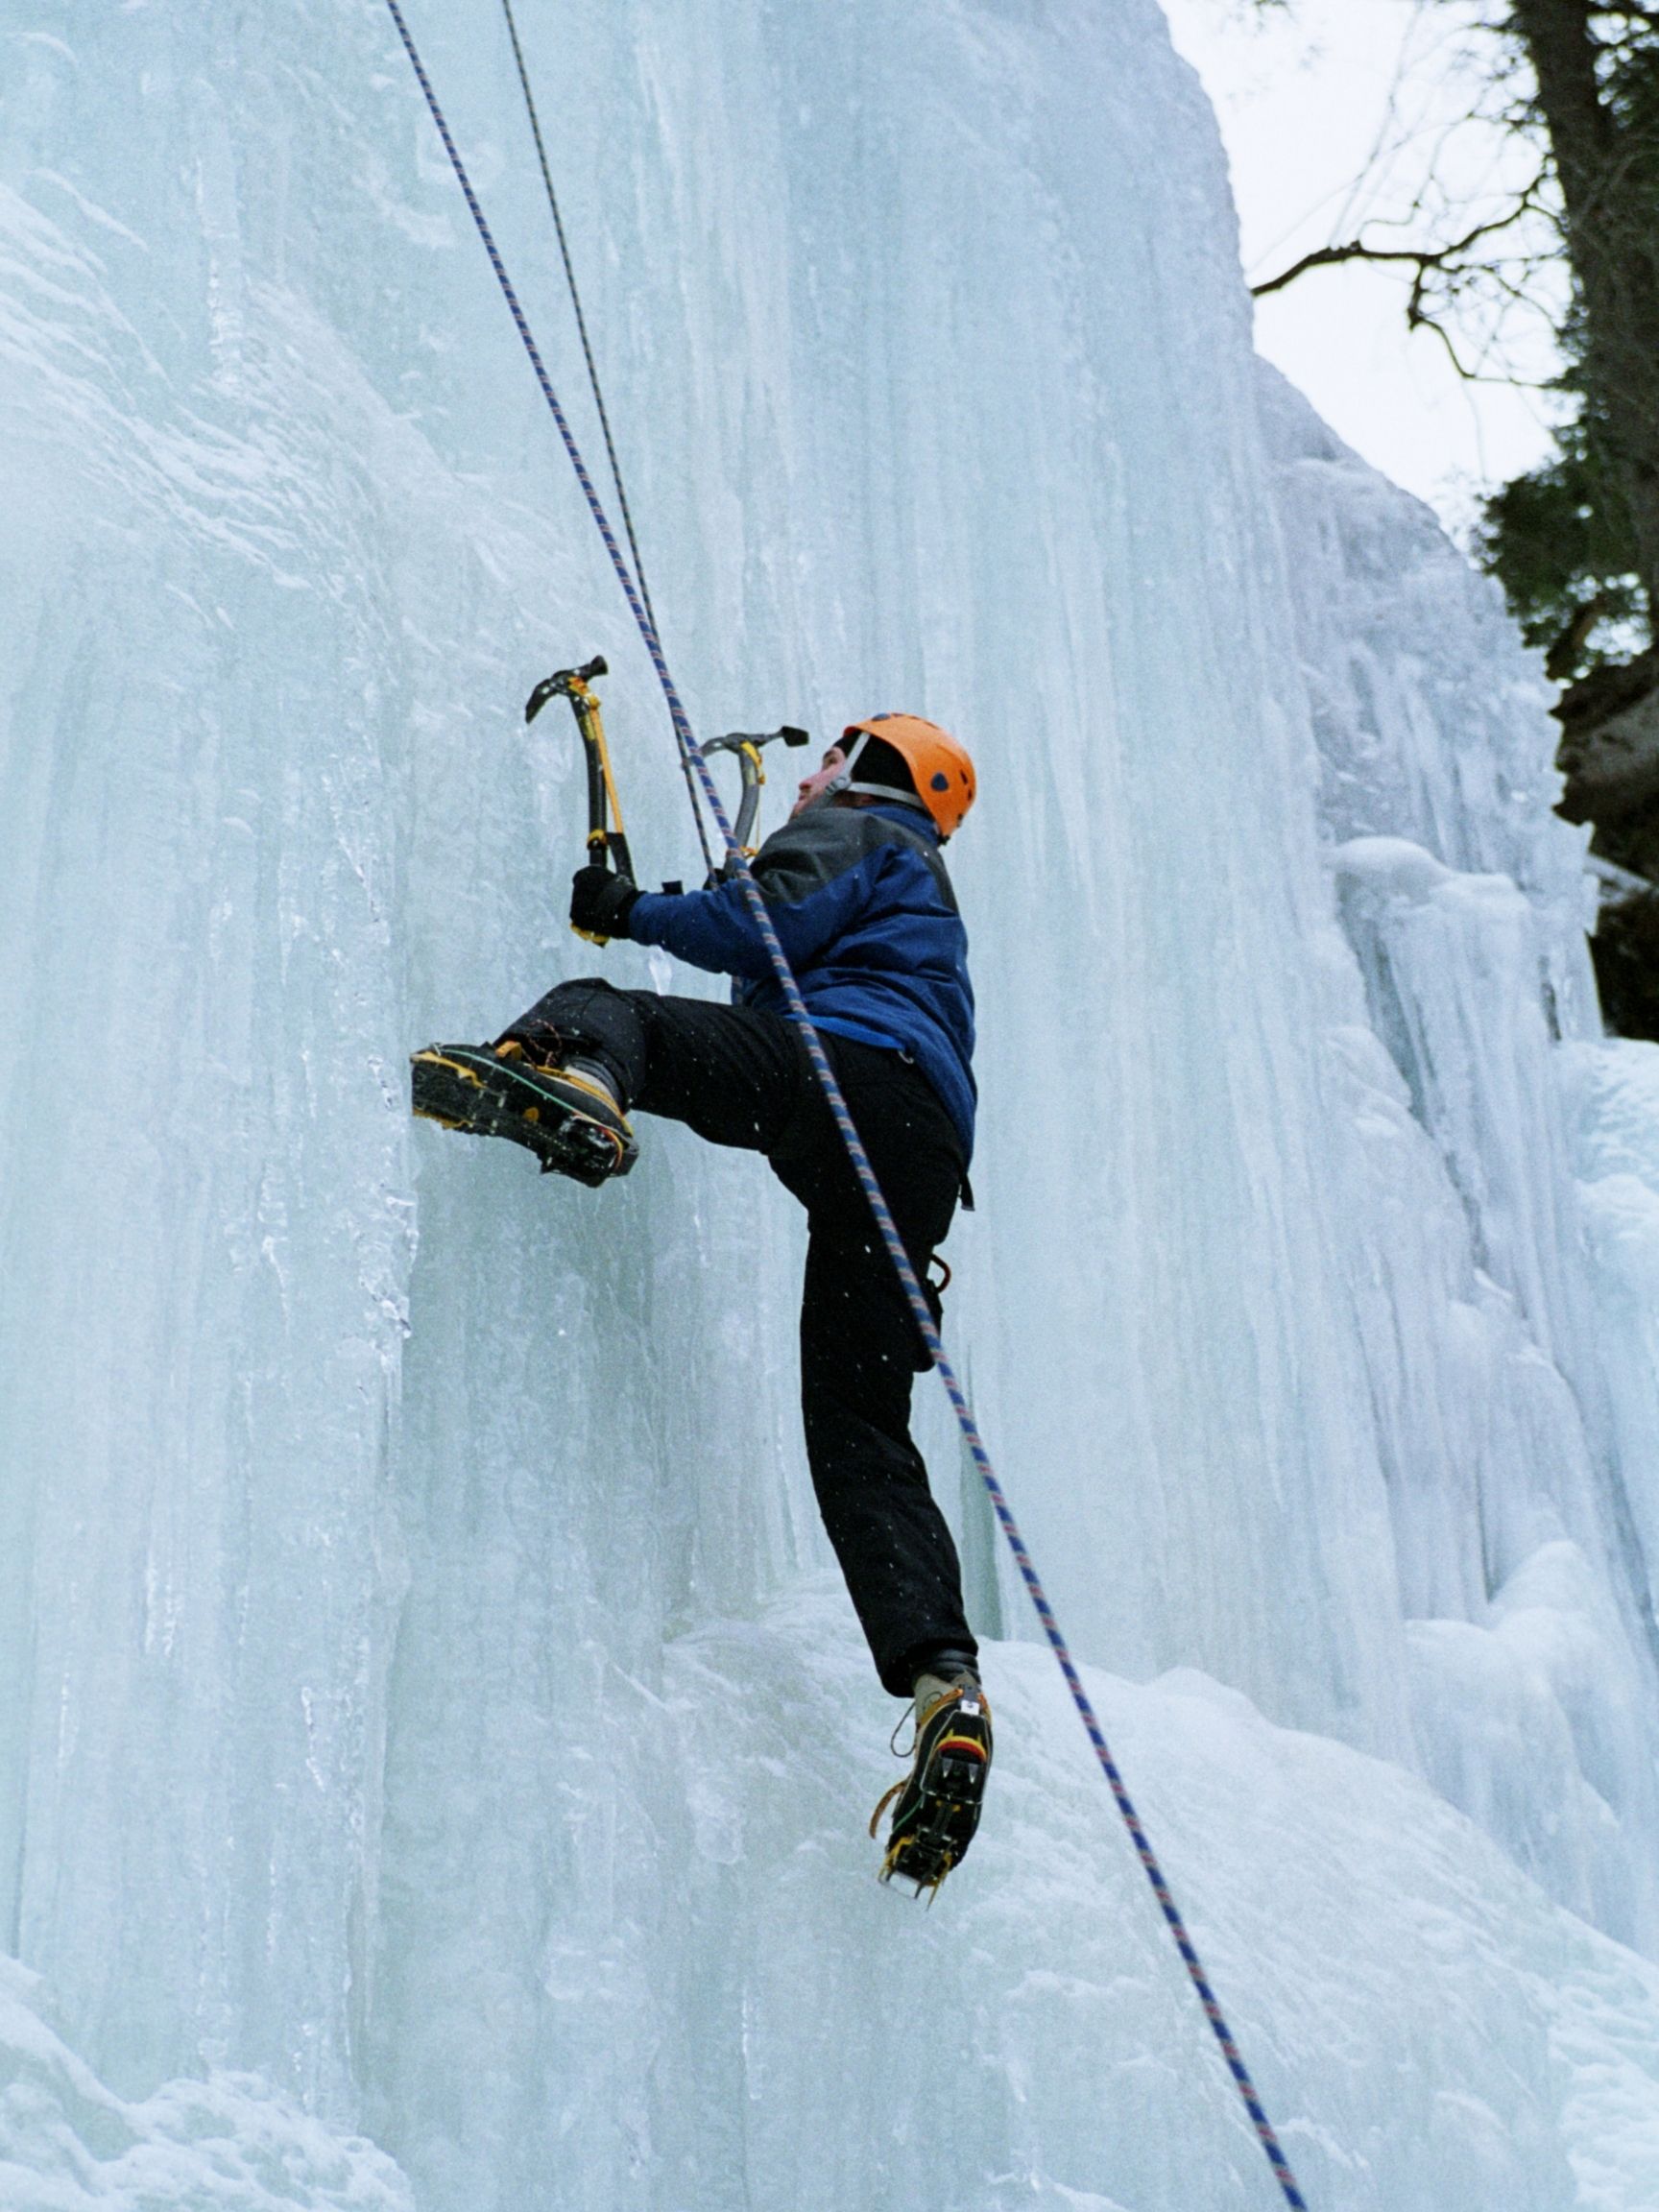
(857, 891)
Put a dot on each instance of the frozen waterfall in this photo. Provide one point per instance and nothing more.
(436, 1745)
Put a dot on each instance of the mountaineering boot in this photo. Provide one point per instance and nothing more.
(571, 1116)
(936, 1807)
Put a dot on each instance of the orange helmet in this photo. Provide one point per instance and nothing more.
(940, 768)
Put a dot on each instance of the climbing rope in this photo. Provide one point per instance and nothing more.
(741, 873)
(596, 388)
(530, 109)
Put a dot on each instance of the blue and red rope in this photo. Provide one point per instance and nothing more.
(692, 755)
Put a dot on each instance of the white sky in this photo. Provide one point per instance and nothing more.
(1301, 99)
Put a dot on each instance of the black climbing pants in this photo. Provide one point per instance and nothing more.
(744, 1078)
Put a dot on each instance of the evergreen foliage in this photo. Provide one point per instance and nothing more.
(1564, 539)
(1561, 542)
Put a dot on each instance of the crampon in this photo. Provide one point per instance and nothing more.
(936, 1807)
(572, 1125)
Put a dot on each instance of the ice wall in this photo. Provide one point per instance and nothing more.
(1521, 1488)
(427, 1695)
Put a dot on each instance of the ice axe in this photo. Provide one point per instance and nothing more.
(607, 847)
(747, 744)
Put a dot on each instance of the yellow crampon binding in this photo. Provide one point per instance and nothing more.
(938, 1803)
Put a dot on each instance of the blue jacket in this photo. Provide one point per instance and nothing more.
(864, 910)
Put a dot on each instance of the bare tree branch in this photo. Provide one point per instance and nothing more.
(1422, 257)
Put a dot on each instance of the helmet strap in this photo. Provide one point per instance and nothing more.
(847, 782)
(885, 791)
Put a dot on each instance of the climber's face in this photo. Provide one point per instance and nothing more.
(815, 785)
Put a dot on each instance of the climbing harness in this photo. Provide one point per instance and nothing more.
(894, 1244)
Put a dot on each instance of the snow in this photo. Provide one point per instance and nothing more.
(68, 2144)
(436, 1748)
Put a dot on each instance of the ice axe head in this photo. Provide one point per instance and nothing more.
(561, 683)
(734, 740)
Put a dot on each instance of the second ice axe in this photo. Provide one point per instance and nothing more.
(746, 744)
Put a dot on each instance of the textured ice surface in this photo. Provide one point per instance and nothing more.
(224, 2144)
(426, 1693)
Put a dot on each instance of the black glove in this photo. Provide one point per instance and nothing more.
(601, 903)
